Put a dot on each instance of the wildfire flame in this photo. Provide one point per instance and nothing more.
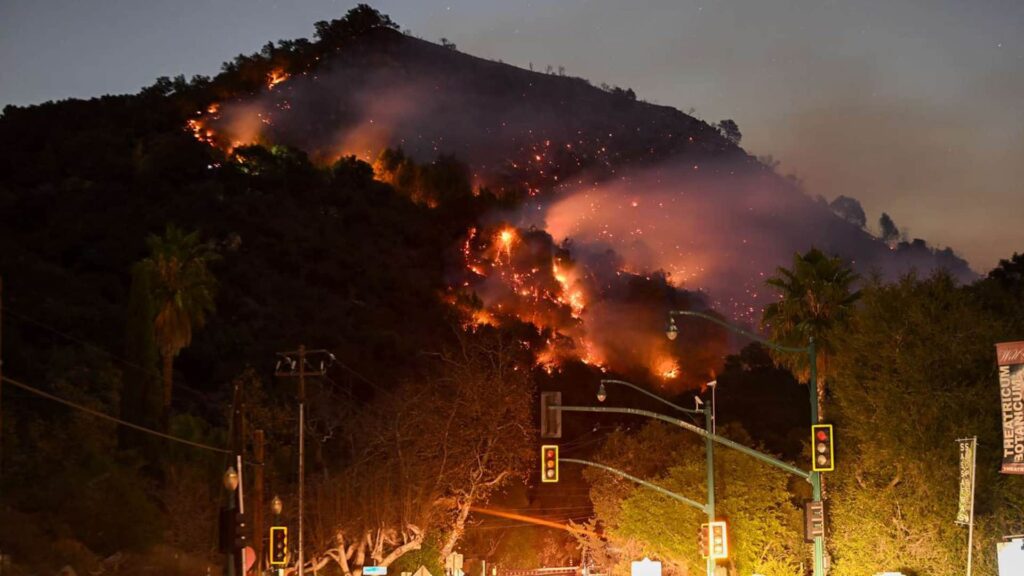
(275, 77)
(666, 367)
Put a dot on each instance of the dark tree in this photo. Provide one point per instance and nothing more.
(890, 233)
(730, 130)
(849, 209)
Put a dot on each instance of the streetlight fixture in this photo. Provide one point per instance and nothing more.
(231, 479)
(672, 331)
(276, 506)
(602, 394)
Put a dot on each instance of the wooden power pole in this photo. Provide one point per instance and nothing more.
(289, 368)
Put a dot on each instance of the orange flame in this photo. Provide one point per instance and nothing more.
(275, 77)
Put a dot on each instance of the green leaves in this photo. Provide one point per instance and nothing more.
(764, 520)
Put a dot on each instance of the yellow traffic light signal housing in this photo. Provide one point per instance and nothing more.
(278, 545)
(549, 463)
(824, 449)
(719, 540)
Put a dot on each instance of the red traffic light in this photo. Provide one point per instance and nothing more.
(549, 463)
(823, 447)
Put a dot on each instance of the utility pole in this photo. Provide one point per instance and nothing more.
(300, 365)
(257, 496)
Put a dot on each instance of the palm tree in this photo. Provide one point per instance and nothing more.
(183, 291)
(816, 301)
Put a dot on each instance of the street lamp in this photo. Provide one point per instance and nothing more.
(602, 394)
(672, 330)
(231, 479)
(276, 506)
(231, 482)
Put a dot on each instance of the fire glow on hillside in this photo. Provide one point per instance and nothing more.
(517, 275)
(581, 310)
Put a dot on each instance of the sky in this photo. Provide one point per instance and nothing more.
(916, 108)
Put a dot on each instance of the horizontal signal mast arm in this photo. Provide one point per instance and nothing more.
(696, 430)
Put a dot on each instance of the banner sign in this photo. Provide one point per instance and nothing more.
(963, 510)
(1011, 398)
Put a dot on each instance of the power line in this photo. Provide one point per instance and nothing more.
(97, 348)
(99, 414)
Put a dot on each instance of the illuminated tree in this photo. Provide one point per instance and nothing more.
(764, 524)
(915, 374)
(425, 454)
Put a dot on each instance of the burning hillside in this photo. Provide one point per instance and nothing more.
(612, 192)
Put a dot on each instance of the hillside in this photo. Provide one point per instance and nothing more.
(378, 196)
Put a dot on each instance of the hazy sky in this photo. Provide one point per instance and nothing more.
(915, 108)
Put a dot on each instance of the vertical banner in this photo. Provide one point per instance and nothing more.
(1011, 398)
(963, 509)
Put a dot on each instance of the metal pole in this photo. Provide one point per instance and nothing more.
(302, 449)
(819, 541)
(241, 510)
(970, 526)
(257, 496)
(696, 430)
(644, 483)
(709, 449)
(230, 556)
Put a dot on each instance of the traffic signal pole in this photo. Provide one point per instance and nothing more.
(819, 541)
(709, 450)
(812, 356)
(692, 428)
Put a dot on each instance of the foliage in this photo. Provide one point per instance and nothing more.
(730, 130)
(816, 299)
(142, 395)
(754, 498)
(913, 374)
(889, 232)
(422, 455)
(849, 209)
(182, 291)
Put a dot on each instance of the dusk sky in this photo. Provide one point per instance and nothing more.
(915, 108)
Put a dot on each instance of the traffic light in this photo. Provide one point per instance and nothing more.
(234, 530)
(719, 540)
(549, 463)
(824, 455)
(814, 520)
(278, 545)
(703, 539)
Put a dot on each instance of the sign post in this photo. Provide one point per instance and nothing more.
(965, 509)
